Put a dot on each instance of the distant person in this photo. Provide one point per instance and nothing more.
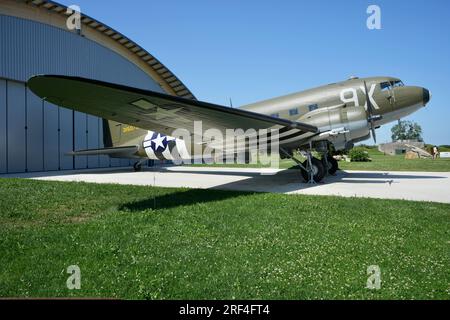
(435, 152)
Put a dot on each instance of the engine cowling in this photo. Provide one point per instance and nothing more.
(342, 126)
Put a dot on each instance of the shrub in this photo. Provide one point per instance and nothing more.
(359, 154)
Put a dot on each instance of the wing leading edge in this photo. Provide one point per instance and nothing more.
(151, 110)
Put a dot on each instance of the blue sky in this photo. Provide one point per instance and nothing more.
(253, 50)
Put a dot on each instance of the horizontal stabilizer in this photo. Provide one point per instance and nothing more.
(131, 150)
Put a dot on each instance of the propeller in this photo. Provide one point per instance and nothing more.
(370, 111)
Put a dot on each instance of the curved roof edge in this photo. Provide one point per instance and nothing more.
(164, 74)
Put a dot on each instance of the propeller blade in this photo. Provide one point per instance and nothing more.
(370, 113)
(369, 103)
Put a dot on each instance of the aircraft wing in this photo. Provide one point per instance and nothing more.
(152, 110)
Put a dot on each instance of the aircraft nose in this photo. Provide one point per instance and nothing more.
(426, 96)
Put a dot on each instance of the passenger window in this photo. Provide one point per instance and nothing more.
(275, 115)
(313, 107)
(293, 112)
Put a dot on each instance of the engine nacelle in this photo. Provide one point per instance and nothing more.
(341, 126)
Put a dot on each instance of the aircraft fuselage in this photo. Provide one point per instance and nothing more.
(342, 107)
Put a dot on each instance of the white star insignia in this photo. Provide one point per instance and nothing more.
(159, 142)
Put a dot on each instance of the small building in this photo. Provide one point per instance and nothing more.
(399, 147)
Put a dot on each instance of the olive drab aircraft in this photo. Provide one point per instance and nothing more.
(139, 124)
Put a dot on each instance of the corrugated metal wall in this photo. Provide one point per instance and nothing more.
(35, 135)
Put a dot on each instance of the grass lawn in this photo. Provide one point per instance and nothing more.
(380, 162)
(203, 244)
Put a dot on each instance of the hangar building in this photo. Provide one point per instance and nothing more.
(34, 39)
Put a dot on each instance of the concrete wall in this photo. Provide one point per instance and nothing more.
(35, 135)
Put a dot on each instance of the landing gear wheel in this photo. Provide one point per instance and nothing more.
(137, 167)
(318, 170)
(332, 163)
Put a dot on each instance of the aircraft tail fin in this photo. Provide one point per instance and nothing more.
(107, 134)
(116, 134)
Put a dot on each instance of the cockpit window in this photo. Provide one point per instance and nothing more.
(397, 83)
(385, 86)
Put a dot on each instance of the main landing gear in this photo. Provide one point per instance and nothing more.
(330, 163)
(314, 170)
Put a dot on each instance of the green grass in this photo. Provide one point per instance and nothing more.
(210, 244)
(380, 162)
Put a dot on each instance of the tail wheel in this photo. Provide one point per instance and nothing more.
(318, 170)
(333, 165)
(137, 167)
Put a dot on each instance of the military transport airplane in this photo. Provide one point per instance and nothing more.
(139, 122)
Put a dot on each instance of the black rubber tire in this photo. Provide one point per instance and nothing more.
(333, 165)
(137, 167)
(318, 168)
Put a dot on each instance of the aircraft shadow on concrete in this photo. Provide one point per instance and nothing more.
(294, 176)
(352, 174)
(282, 182)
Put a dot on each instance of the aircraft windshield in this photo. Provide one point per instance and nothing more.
(385, 86)
(397, 83)
(391, 84)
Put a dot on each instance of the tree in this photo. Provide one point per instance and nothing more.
(406, 130)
